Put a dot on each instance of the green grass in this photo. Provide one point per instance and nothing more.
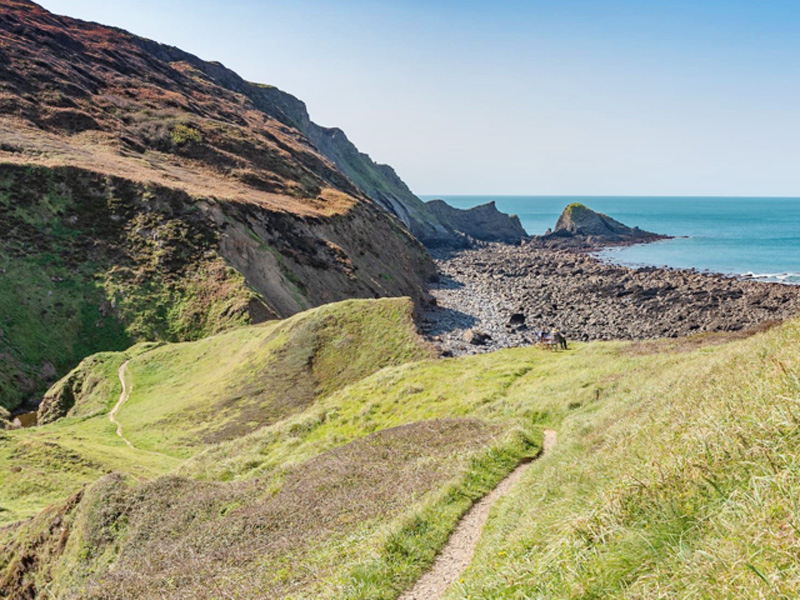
(228, 385)
(90, 385)
(486, 386)
(183, 134)
(352, 454)
(411, 544)
(40, 467)
(687, 487)
(90, 263)
(42, 303)
(574, 206)
(219, 388)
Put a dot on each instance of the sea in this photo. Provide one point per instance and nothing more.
(750, 237)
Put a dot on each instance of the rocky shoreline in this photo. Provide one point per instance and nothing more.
(508, 292)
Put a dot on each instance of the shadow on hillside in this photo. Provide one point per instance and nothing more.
(438, 320)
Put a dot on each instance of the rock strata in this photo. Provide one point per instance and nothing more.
(511, 292)
(484, 222)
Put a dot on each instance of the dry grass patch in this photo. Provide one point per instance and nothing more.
(695, 342)
(178, 538)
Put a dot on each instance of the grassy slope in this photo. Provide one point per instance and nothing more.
(675, 475)
(685, 488)
(398, 488)
(217, 388)
(226, 386)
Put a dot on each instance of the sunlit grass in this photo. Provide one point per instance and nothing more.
(686, 487)
(188, 397)
(675, 474)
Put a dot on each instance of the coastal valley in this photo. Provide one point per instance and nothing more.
(239, 359)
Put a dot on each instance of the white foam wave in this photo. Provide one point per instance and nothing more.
(793, 278)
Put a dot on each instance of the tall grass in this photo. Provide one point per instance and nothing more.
(687, 488)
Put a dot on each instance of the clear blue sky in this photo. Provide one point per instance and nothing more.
(659, 97)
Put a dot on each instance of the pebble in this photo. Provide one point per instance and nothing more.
(481, 289)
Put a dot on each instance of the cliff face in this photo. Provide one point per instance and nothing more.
(146, 194)
(90, 262)
(483, 222)
(379, 182)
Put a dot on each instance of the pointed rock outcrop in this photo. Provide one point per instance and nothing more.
(580, 226)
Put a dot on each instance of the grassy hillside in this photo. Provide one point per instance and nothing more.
(684, 487)
(189, 396)
(400, 485)
(90, 263)
(145, 196)
(675, 473)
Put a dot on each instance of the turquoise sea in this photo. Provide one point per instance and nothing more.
(759, 237)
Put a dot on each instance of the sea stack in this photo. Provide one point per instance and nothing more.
(580, 226)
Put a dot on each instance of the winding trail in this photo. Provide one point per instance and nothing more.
(460, 548)
(124, 395)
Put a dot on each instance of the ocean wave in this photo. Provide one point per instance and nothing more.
(793, 278)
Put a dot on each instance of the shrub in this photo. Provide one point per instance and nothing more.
(183, 134)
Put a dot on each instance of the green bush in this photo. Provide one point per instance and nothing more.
(183, 134)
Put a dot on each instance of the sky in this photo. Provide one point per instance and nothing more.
(503, 97)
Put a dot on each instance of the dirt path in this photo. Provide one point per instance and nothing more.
(457, 553)
(126, 392)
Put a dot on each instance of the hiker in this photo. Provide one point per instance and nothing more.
(548, 340)
(560, 339)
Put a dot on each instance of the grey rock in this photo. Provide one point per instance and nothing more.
(476, 338)
(603, 301)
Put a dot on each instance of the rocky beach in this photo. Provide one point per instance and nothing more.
(499, 295)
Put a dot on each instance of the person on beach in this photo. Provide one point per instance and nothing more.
(560, 339)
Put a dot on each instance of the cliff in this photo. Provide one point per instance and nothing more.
(483, 222)
(379, 182)
(146, 194)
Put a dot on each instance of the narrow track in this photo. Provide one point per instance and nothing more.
(123, 397)
(460, 548)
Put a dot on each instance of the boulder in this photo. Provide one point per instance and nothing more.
(476, 338)
(516, 322)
